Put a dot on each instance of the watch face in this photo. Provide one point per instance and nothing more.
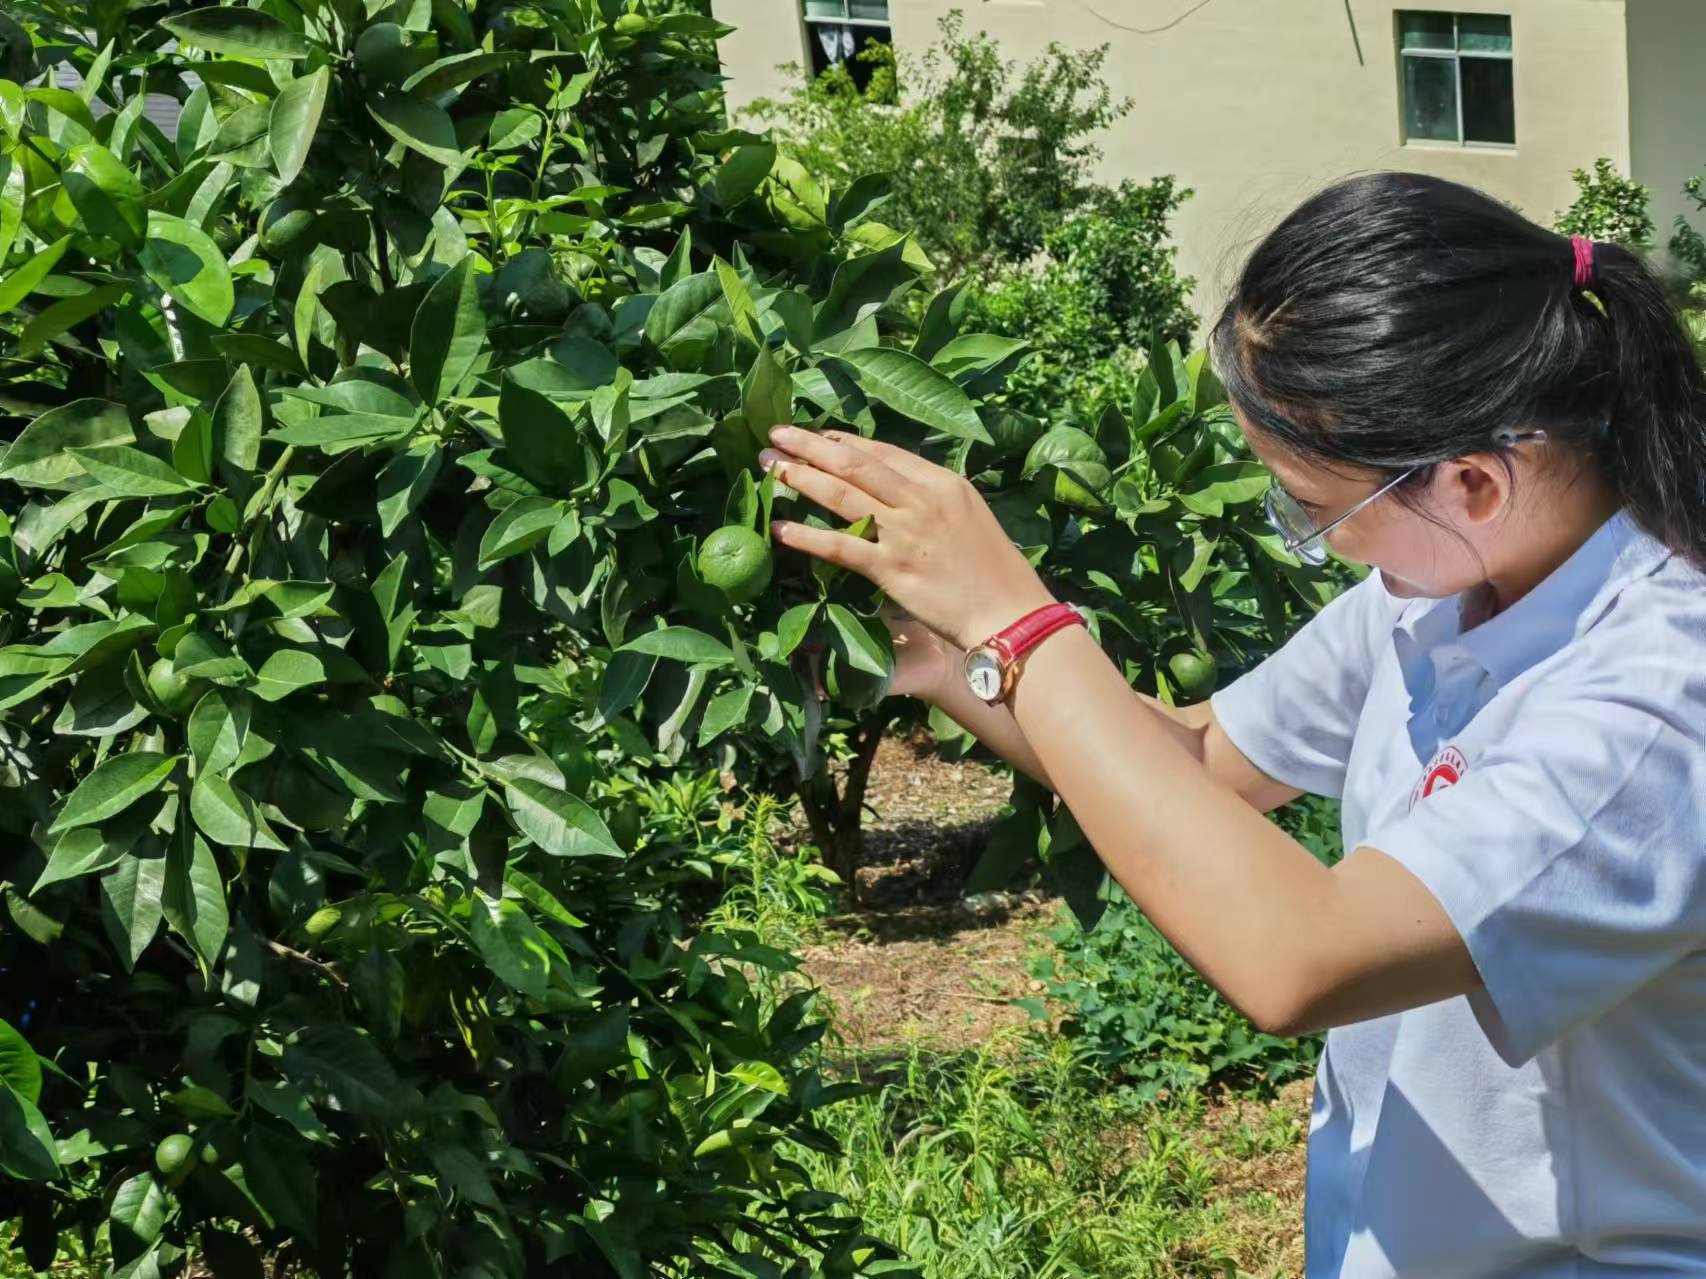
(983, 673)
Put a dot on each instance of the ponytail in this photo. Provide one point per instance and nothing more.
(1395, 320)
(1657, 444)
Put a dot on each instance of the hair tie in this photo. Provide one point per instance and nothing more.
(1583, 247)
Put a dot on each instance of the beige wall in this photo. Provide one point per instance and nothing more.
(1256, 103)
(1667, 104)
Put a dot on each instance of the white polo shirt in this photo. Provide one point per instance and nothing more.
(1544, 775)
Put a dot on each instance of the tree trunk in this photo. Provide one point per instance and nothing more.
(836, 817)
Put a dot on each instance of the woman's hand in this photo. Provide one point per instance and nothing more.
(939, 553)
(923, 660)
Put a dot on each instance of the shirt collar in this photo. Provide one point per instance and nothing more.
(1563, 605)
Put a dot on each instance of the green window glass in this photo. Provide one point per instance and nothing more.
(1425, 31)
(1484, 33)
(1430, 99)
(1457, 77)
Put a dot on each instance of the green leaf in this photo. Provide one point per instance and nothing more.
(792, 628)
(82, 851)
(1232, 483)
(20, 1070)
(137, 1216)
(344, 431)
(767, 398)
(294, 120)
(457, 69)
(419, 125)
(724, 711)
(743, 172)
(218, 728)
(973, 352)
(860, 286)
(405, 482)
(237, 32)
(348, 1067)
(114, 785)
(511, 944)
(67, 314)
(13, 189)
(941, 321)
(448, 332)
(865, 652)
(913, 389)
(286, 671)
(518, 528)
(130, 904)
(22, 282)
(27, 1148)
(682, 644)
(277, 1172)
(686, 313)
(183, 262)
(540, 438)
(40, 456)
(193, 899)
(558, 822)
(106, 195)
(625, 678)
(229, 817)
(129, 472)
(237, 433)
(739, 298)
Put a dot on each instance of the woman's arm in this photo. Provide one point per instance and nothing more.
(1292, 944)
(936, 664)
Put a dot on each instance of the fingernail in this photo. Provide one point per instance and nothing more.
(778, 527)
(768, 458)
(782, 434)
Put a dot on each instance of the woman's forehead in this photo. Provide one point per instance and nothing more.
(1301, 476)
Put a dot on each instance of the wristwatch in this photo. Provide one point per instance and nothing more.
(992, 665)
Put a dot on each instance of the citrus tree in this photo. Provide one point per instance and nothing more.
(366, 443)
(1152, 518)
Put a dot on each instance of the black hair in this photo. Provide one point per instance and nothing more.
(1398, 319)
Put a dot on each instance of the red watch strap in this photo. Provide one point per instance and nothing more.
(1012, 640)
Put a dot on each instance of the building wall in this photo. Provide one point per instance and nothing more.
(1254, 104)
(1667, 105)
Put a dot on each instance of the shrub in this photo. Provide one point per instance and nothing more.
(359, 442)
(985, 156)
(1142, 1017)
(1106, 293)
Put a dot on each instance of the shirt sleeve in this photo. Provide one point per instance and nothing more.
(1294, 714)
(1571, 857)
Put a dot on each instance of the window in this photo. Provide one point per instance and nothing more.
(1456, 78)
(837, 29)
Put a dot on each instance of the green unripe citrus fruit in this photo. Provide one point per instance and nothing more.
(284, 223)
(176, 692)
(1194, 673)
(631, 24)
(172, 1155)
(736, 561)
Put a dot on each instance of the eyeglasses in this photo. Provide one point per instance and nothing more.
(1303, 538)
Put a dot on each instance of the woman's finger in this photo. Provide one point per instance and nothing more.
(852, 553)
(837, 457)
(920, 470)
(829, 491)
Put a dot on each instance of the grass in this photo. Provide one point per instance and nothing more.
(1007, 1159)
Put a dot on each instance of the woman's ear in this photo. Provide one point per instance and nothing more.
(1475, 488)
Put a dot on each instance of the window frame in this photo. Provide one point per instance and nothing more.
(845, 19)
(1456, 55)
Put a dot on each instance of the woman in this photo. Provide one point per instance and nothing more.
(1512, 709)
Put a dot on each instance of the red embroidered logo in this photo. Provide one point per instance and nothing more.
(1446, 768)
